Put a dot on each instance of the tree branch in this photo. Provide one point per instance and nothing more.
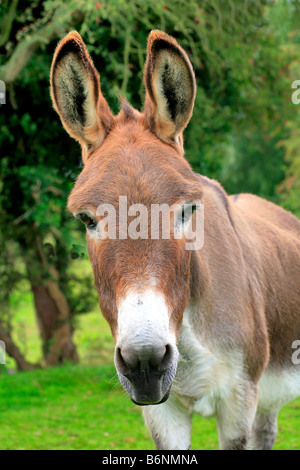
(27, 47)
(7, 22)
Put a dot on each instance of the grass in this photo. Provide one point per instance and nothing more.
(70, 407)
(76, 407)
(83, 406)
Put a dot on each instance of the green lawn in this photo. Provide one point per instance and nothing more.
(70, 407)
(83, 406)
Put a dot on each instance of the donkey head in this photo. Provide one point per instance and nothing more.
(143, 282)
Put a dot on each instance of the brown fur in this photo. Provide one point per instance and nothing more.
(145, 177)
(246, 276)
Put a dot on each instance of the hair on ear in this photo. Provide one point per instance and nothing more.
(76, 93)
(170, 85)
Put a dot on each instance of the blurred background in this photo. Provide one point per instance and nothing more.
(244, 133)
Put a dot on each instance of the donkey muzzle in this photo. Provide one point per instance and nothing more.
(146, 353)
(146, 372)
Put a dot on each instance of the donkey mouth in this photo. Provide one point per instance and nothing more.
(148, 387)
(146, 403)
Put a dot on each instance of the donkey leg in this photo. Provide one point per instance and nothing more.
(169, 424)
(235, 417)
(264, 431)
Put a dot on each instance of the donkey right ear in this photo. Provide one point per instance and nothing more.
(76, 94)
(170, 88)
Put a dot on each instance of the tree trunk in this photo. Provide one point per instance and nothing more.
(14, 352)
(53, 318)
(52, 309)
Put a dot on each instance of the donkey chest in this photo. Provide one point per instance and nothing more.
(204, 377)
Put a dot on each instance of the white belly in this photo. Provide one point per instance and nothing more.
(277, 388)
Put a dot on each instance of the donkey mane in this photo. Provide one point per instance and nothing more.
(221, 192)
(128, 110)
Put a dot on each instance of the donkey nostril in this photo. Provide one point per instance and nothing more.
(120, 362)
(126, 359)
(167, 359)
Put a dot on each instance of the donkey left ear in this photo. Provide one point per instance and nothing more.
(170, 87)
(76, 93)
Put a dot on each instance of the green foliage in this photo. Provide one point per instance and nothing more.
(255, 164)
(289, 189)
(289, 36)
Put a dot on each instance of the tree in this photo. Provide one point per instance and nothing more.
(32, 182)
(286, 20)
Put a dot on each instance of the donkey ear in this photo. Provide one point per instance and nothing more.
(170, 87)
(76, 94)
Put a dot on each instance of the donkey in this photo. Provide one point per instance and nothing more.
(210, 330)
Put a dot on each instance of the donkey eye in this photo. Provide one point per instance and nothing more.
(87, 220)
(187, 212)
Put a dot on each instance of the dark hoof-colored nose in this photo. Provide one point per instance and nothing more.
(146, 371)
(152, 358)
